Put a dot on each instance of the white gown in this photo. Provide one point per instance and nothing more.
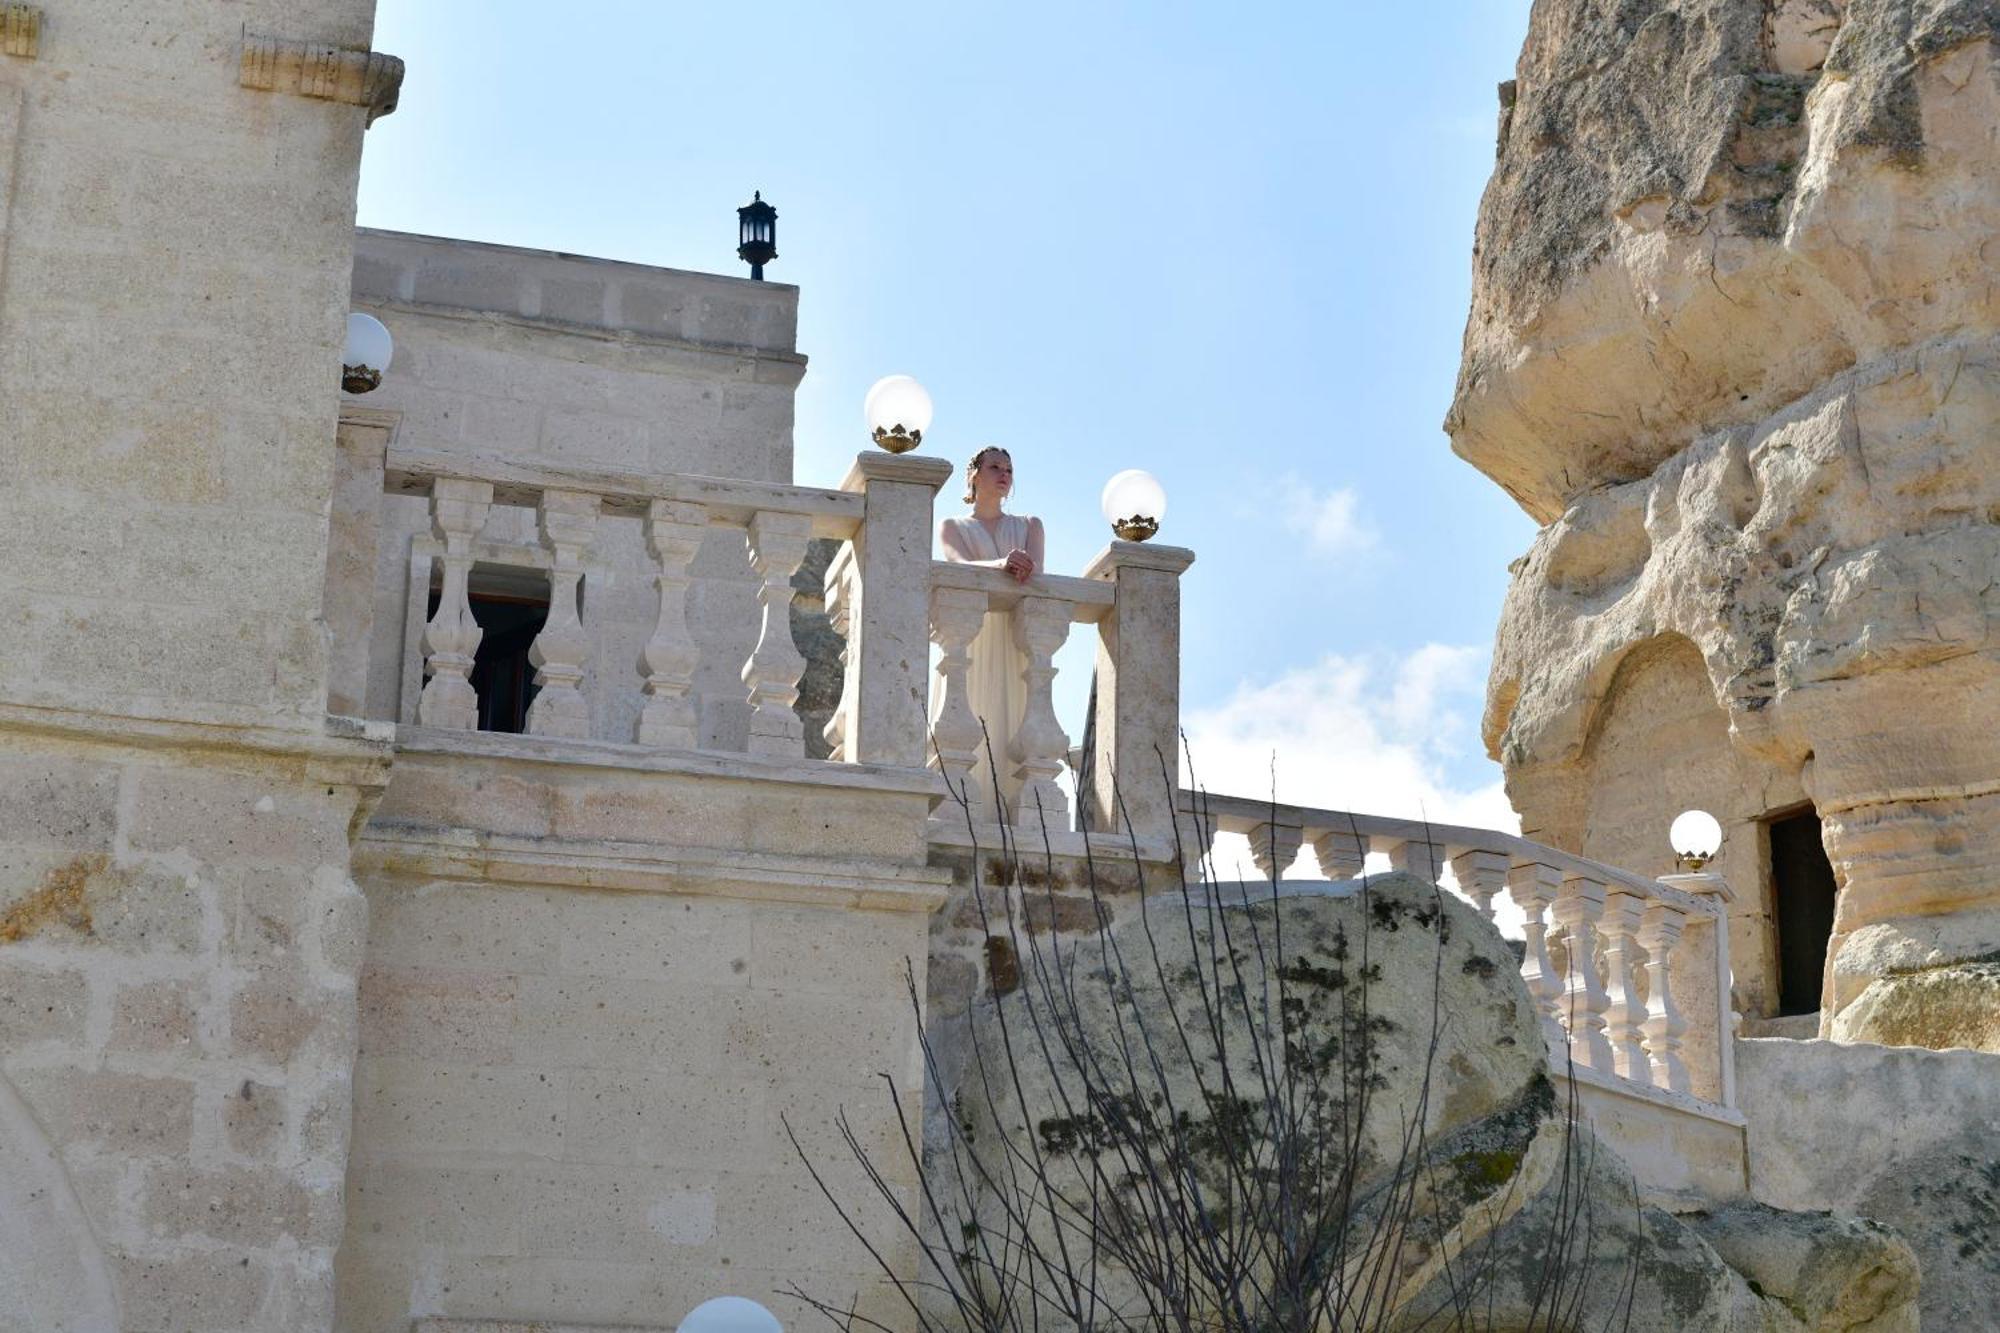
(993, 681)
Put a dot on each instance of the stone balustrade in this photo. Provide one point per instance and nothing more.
(1609, 957)
(1131, 593)
(676, 513)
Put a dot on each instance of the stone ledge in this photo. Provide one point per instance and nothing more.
(347, 751)
(434, 1325)
(410, 851)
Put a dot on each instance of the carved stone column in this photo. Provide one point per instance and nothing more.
(1624, 1013)
(1274, 847)
(1341, 854)
(957, 615)
(568, 522)
(1137, 760)
(837, 593)
(885, 703)
(458, 512)
(1480, 875)
(1659, 930)
(674, 531)
(777, 547)
(1040, 626)
(1533, 887)
(1578, 907)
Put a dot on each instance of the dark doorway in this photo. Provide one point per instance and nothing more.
(501, 671)
(1802, 883)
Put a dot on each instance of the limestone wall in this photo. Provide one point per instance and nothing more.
(1732, 341)
(595, 992)
(179, 937)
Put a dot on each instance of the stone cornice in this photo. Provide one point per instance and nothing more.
(20, 31)
(1138, 555)
(320, 69)
(917, 469)
(344, 751)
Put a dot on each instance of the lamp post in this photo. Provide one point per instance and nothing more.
(898, 410)
(1133, 503)
(367, 354)
(757, 235)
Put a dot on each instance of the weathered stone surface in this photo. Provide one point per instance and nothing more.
(1944, 1007)
(1829, 1272)
(1733, 342)
(1915, 1149)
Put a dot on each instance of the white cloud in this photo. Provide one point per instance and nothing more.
(1378, 734)
(1331, 521)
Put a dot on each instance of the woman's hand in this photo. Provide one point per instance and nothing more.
(1020, 566)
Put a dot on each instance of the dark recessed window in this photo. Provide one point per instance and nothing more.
(501, 672)
(1803, 888)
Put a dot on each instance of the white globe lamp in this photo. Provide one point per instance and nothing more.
(1134, 502)
(1696, 836)
(730, 1314)
(367, 354)
(898, 412)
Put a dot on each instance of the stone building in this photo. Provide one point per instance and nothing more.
(453, 837)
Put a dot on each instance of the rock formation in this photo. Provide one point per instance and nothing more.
(1735, 342)
(1418, 994)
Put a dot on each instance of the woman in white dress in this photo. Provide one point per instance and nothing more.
(991, 537)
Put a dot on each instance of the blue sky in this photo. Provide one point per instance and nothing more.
(1228, 244)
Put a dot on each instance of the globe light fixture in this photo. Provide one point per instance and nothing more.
(730, 1314)
(898, 412)
(1134, 503)
(757, 235)
(1696, 837)
(367, 354)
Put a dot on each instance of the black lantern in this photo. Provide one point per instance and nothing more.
(757, 232)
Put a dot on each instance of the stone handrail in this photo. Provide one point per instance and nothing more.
(779, 521)
(1612, 1008)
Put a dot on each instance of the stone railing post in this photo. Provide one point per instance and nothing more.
(1715, 888)
(1624, 1014)
(888, 612)
(674, 532)
(1274, 847)
(957, 615)
(568, 521)
(1480, 875)
(1041, 624)
(1139, 689)
(777, 549)
(1578, 907)
(458, 512)
(1533, 888)
(1342, 854)
(1659, 930)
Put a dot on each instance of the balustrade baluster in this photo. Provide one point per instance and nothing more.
(1274, 847)
(1416, 857)
(1041, 624)
(777, 549)
(1623, 1014)
(839, 598)
(458, 512)
(1341, 854)
(1533, 887)
(1578, 907)
(568, 520)
(958, 747)
(1659, 930)
(1480, 875)
(674, 531)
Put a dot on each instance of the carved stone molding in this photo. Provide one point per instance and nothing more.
(20, 30)
(320, 69)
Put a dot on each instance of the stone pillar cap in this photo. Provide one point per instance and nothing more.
(877, 465)
(1138, 555)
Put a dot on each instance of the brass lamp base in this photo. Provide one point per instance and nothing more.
(360, 379)
(898, 440)
(1136, 528)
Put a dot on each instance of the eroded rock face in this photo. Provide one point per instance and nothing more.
(1507, 1163)
(1735, 341)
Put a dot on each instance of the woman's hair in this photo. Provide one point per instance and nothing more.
(972, 468)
